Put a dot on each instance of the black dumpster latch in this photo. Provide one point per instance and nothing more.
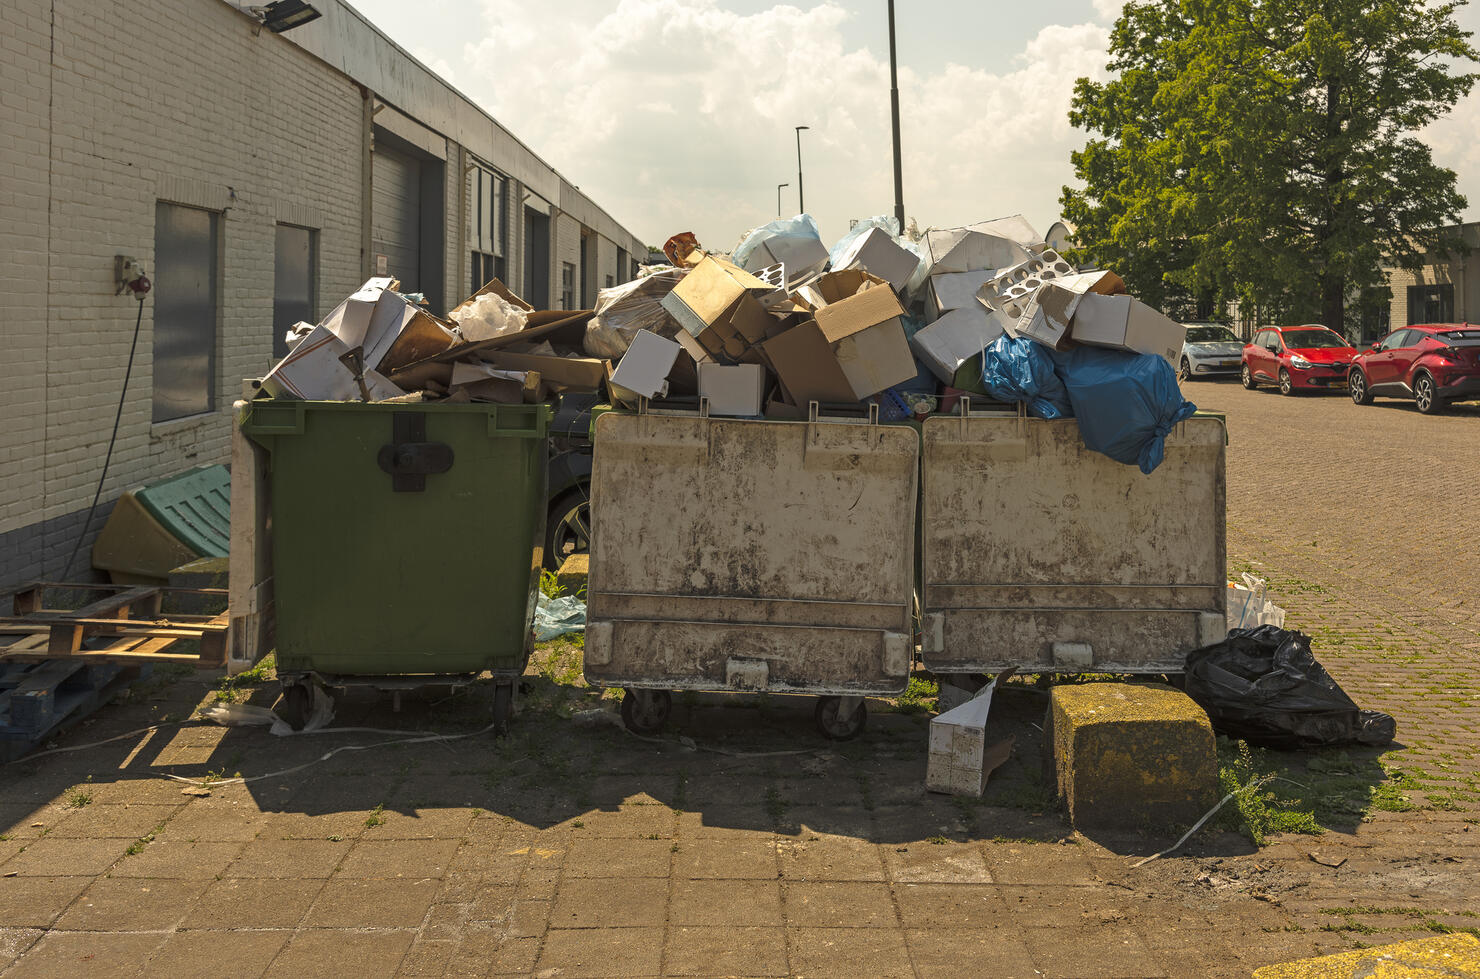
(410, 457)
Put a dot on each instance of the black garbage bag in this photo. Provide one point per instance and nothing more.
(1264, 686)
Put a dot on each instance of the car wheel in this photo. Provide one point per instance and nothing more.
(1426, 395)
(1246, 377)
(1184, 372)
(1287, 386)
(1356, 384)
(567, 527)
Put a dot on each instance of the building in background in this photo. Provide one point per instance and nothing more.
(1445, 290)
(258, 178)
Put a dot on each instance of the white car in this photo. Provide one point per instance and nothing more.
(1210, 350)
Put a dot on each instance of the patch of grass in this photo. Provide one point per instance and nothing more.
(79, 798)
(1256, 810)
(137, 846)
(938, 840)
(579, 824)
(919, 696)
(550, 584)
(235, 689)
(376, 817)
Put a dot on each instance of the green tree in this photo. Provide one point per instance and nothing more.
(1264, 151)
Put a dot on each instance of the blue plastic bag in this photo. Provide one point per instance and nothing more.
(801, 226)
(1018, 369)
(1126, 402)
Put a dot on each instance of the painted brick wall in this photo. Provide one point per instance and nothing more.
(186, 106)
(567, 248)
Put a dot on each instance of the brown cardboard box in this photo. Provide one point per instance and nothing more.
(563, 373)
(806, 366)
(867, 337)
(483, 383)
(709, 304)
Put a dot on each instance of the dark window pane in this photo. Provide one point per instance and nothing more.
(293, 274)
(184, 299)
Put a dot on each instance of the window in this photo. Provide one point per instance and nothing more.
(488, 225)
(567, 285)
(294, 281)
(185, 269)
(1431, 304)
(610, 282)
(1399, 339)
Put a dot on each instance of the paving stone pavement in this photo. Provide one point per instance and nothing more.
(573, 850)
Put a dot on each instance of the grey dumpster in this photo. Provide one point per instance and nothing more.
(746, 555)
(1040, 554)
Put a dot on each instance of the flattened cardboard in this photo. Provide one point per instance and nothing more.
(564, 373)
(806, 366)
(736, 390)
(482, 383)
(802, 256)
(876, 252)
(1128, 324)
(954, 290)
(423, 336)
(645, 367)
(955, 338)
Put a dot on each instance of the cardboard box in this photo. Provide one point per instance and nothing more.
(807, 368)
(956, 337)
(956, 290)
(965, 250)
(645, 367)
(803, 256)
(350, 320)
(1127, 324)
(733, 390)
(961, 758)
(877, 253)
(1014, 227)
(717, 303)
(867, 337)
(1048, 310)
(313, 371)
(423, 336)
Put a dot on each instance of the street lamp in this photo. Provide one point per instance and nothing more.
(801, 201)
(778, 198)
(894, 112)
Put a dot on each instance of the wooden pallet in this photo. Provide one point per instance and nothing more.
(38, 699)
(122, 626)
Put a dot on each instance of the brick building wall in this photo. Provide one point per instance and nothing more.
(103, 114)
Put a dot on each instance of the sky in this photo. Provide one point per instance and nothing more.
(678, 115)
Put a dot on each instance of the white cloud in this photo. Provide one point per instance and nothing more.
(1108, 10)
(677, 114)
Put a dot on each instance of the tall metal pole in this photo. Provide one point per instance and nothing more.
(801, 201)
(894, 110)
(778, 198)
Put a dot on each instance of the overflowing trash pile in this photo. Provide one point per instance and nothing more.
(905, 326)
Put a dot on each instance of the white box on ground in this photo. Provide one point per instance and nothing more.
(1128, 324)
(876, 252)
(733, 390)
(956, 337)
(960, 758)
(645, 367)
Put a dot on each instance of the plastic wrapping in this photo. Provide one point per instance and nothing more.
(1126, 402)
(801, 226)
(1264, 685)
(1017, 369)
(489, 316)
(623, 310)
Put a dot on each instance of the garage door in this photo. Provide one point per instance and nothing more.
(395, 222)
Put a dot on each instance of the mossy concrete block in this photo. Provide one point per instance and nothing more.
(1446, 956)
(1132, 755)
(572, 574)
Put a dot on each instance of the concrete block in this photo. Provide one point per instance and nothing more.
(1132, 755)
(1423, 958)
(573, 573)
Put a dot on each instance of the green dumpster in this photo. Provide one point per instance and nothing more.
(406, 541)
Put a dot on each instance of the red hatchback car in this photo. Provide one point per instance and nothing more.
(1432, 363)
(1297, 358)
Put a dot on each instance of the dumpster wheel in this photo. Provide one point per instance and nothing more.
(503, 708)
(296, 704)
(840, 718)
(646, 711)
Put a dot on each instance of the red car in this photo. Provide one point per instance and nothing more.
(1431, 363)
(1297, 358)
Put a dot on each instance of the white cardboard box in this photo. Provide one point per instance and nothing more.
(733, 390)
(645, 367)
(956, 337)
(877, 253)
(803, 257)
(965, 250)
(312, 371)
(1128, 324)
(956, 290)
(960, 758)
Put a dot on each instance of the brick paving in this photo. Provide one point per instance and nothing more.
(573, 850)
